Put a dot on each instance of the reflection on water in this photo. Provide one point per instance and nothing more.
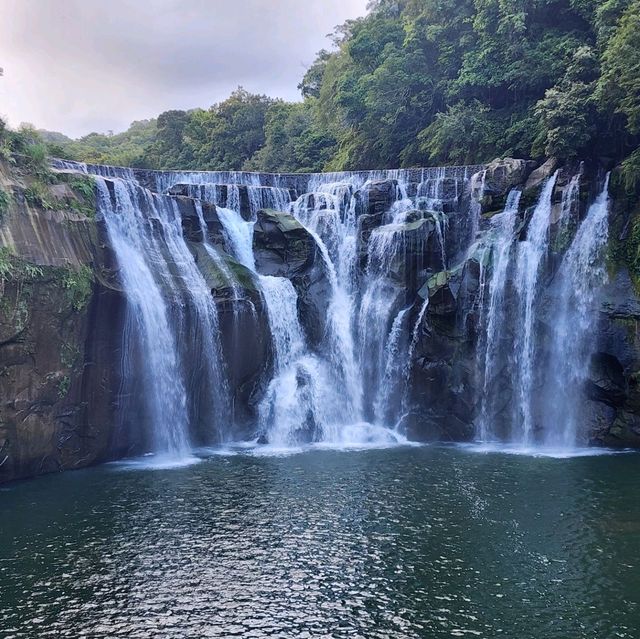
(402, 542)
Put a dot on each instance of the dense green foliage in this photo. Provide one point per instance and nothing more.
(123, 149)
(419, 82)
(25, 152)
(25, 149)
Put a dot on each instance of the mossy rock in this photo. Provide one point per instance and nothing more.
(216, 278)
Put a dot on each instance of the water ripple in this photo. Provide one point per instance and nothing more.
(396, 543)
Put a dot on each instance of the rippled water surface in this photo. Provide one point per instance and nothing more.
(405, 542)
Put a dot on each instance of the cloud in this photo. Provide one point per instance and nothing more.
(88, 65)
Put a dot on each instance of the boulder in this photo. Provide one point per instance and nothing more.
(376, 196)
(502, 175)
(537, 178)
(443, 366)
(406, 249)
(624, 432)
(454, 291)
(606, 382)
(284, 248)
(491, 187)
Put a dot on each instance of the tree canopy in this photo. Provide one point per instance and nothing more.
(418, 82)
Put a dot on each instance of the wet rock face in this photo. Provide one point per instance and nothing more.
(613, 385)
(500, 177)
(443, 366)
(606, 382)
(60, 379)
(282, 246)
(504, 174)
(540, 175)
(411, 247)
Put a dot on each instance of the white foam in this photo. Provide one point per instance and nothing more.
(539, 451)
(156, 462)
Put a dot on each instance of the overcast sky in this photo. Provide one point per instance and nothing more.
(78, 66)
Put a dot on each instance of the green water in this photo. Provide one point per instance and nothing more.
(408, 542)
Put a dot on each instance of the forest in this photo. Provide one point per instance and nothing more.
(419, 83)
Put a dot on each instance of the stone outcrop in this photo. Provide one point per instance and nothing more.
(60, 320)
(504, 174)
(539, 175)
(443, 363)
(284, 248)
(499, 178)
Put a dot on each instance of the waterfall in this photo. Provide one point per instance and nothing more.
(341, 347)
(163, 380)
(547, 404)
(502, 230)
(569, 200)
(379, 237)
(392, 376)
(478, 187)
(380, 301)
(239, 235)
(408, 361)
(369, 305)
(293, 409)
(213, 254)
(530, 257)
(146, 235)
(580, 277)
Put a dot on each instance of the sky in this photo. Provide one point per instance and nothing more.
(78, 66)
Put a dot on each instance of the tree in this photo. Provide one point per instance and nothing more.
(568, 111)
(619, 84)
(463, 134)
(234, 130)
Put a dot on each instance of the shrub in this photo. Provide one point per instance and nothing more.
(78, 284)
(38, 195)
(5, 202)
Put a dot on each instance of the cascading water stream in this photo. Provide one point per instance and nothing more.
(169, 298)
(394, 365)
(478, 187)
(579, 279)
(530, 258)
(408, 360)
(502, 231)
(379, 305)
(372, 301)
(165, 396)
(547, 404)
